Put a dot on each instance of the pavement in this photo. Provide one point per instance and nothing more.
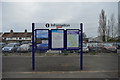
(95, 66)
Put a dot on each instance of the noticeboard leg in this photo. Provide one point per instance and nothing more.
(81, 60)
(33, 61)
(33, 50)
(81, 51)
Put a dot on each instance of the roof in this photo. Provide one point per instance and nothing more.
(17, 34)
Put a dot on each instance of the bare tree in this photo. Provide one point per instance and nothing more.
(108, 30)
(112, 25)
(119, 20)
(116, 30)
(102, 29)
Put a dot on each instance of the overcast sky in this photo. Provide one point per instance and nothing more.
(19, 15)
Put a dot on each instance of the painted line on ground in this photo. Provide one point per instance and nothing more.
(62, 56)
(115, 71)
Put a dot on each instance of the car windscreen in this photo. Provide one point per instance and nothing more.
(93, 44)
(24, 45)
(2, 43)
(108, 45)
(84, 45)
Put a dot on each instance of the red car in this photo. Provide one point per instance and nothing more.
(109, 47)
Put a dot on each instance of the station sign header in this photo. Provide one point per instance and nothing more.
(56, 25)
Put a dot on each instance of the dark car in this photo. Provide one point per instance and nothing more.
(118, 47)
(92, 47)
(95, 47)
(2, 44)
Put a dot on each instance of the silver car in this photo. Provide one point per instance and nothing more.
(11, 47)
(24, 48)
(85, 47)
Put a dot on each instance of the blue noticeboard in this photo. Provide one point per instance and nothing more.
(57, 39)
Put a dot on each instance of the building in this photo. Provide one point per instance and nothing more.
(16, 36)
(96, 39)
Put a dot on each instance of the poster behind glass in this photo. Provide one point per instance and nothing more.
(72, 39)
(42, 39)
(57, 39)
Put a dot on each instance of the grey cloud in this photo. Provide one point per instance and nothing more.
(19, 16)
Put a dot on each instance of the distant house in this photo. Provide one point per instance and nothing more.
(91, 39)
(16, 36)
(96, 39)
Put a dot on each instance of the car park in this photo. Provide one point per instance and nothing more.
(11, 47)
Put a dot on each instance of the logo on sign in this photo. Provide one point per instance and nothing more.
(47, 25)
(57, 25)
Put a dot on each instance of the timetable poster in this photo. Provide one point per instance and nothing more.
(57, 38)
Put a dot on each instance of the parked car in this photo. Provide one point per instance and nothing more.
(24, 48)
(11, 47)
(92, 47)
(118, 47)
(95, 47)
(109, 47)
(85, 47)
(2, 44)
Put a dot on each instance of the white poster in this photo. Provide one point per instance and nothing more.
(57, 39)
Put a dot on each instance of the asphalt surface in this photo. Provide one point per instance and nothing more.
(98, 66)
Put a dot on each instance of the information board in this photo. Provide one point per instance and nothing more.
(57, 39)
(48, 36)
(42, 39)
(72, 39)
